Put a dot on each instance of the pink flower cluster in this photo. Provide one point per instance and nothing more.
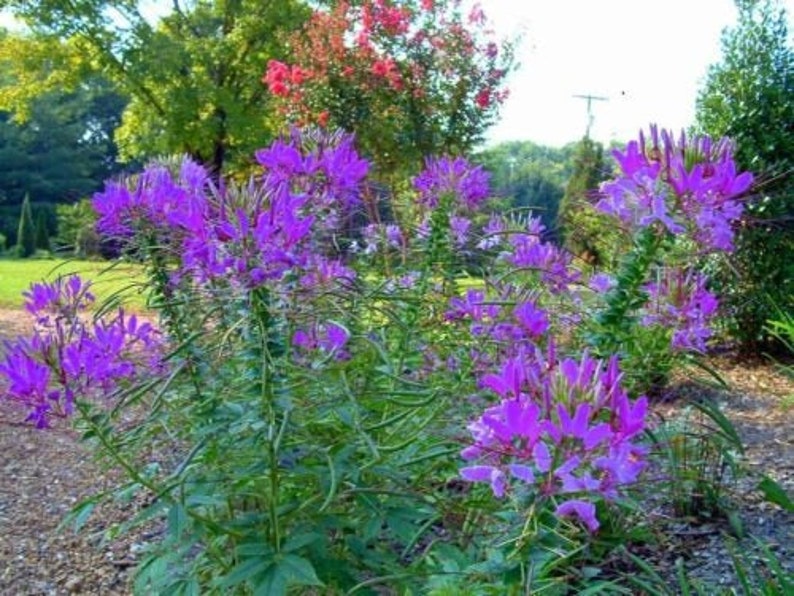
(281, 79)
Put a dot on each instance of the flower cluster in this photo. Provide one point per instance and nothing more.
(155, 201)
(280, 78)
(252, 235)
(69, 357)
(329, 338)
(467, 184)
(523, 246)
(680, 302)
(684, 185)
(561, 428)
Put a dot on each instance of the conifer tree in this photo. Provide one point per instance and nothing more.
(26, 235)
(42, 234)
(583, 228)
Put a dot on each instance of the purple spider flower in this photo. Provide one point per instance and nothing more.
(685, 185)
(560, 427)
(456, 176)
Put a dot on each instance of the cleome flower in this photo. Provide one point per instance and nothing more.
(561, 428)
(685, 186)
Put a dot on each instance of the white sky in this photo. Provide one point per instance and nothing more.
(647, 56)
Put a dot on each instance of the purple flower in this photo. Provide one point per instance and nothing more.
(533, 319)
(336, 337)
(459, 226)
(601, 283)
(581, 509)
(560, 427)
(394, 236)
(529, 251)
(494, 476)
(472, 307)
(68, 357)
(680, 302)
(467, 184)
(493, 233)
(62, 297)
(685, 185)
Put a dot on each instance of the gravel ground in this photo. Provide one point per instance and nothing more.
(44, 474)
(760, 403)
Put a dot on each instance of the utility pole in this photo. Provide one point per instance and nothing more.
(590, 117)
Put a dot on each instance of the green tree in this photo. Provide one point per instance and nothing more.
(26, 235)
(42, 231)
(749, 96)
(585, 231)
(528, 176)
(192, 78)
(64, 149)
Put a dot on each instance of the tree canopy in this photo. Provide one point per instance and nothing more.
(64, 148)
(192, 77)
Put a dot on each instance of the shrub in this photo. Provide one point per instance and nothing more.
(76, 230)
(298, 417)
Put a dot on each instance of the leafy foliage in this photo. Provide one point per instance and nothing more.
(747, 96)
(191, 79)
(586, 231)
(63, 149)
(76, 230)
(529, 177)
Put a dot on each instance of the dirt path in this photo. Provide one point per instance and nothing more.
(43, 475)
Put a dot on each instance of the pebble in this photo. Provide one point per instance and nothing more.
(73, 584)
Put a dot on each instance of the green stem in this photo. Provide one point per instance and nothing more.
(264, 322)
(613, 324)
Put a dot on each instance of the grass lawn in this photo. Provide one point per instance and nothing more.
(16, 275)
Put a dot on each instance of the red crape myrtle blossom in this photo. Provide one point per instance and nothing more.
(70, 356)
(410, 78)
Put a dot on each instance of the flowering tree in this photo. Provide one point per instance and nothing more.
(410, 78)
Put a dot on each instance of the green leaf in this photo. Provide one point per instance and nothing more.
(713, 411)
(177, 520)
(79, 515)
(298, 571)
(272, 583)
(300, 540)
(774, 493)
(246, 570)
